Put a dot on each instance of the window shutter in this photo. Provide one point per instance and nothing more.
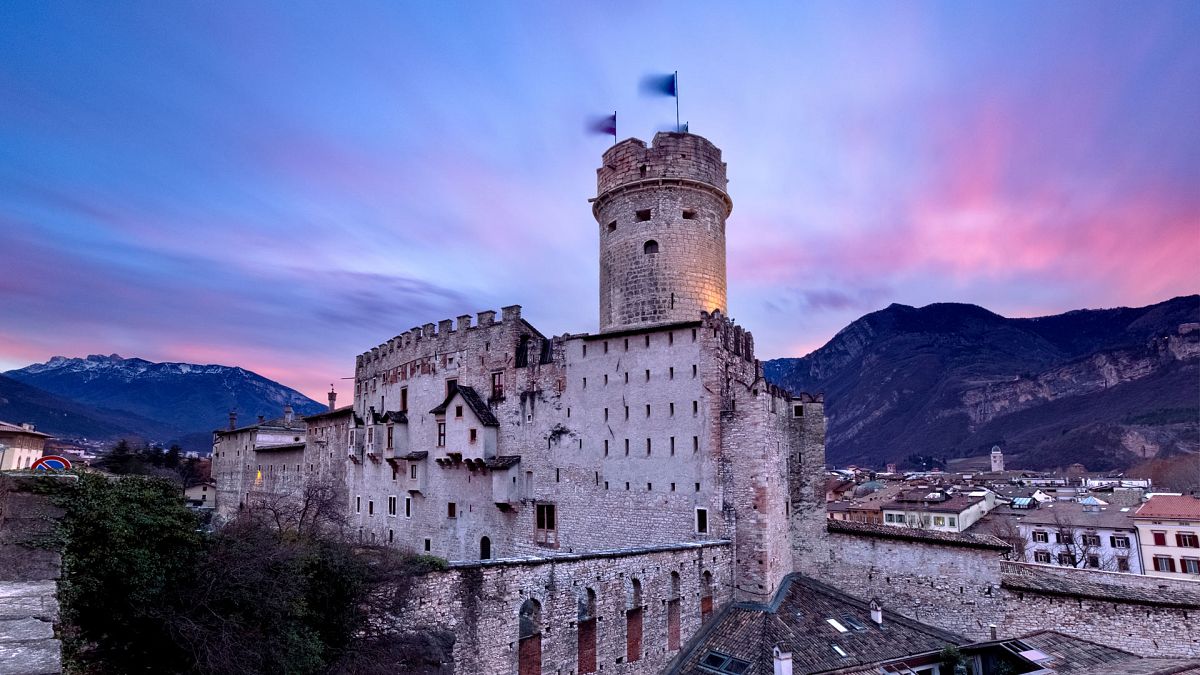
(1170, 564)
(1112, 542)
(1178, 540)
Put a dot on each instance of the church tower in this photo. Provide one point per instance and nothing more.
(661, 213)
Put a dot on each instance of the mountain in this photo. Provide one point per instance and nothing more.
(159, 401)
(1104, 388)
(61, 417)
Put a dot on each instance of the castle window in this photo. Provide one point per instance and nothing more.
(647, 447)
(626, 447)
(408, 507)
(584, 386)
(427, 545)
(569, 410)
(612, 227)
(606, 379)
(626, 349)
(672, 408)
(672, 487)
(451, 386)
(689, 214)
(403, 399)
(647, 410)
(627, 374)
(693, 335)
(797, 411)
(695, 407)
(558, 475)
(695, 444)
(671, 373)
(647, 340)
(585, 350)
(457, 411)
(473, 434)
(606, 346)
(643, 215)
(695, 370)
(647, 375)
(441, 434)
(606, 414)
(605, 485)
(371, 507)
(358, 504)
(546, 526)
(702, 521)
(606, 447)
(672, 446)
(392, 505)
(497, 385)
(626, 412)
(391, 536)
(697, 487)
(650, 247)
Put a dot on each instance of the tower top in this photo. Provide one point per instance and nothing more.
(671, 155)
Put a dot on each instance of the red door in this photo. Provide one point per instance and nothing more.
(633, 635)
(529, 655)
(587, 646)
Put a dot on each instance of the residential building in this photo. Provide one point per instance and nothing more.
(1087, 533)
(937, 509)
(1169, 534)
(20, 446)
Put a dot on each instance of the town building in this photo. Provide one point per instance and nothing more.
(997, 458)
(258, 462)
(938, 509)
(1169, 534)
(203, 495)
(1085, 533)
(20, 446)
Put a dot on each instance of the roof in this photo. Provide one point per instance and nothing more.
(1069, 655)
(344, 410)
(964, 539)
(1048, 581)
(504, 462)
(386, 417)
(1170, 506)
(1072, 514)
(473, 401)
(297, 424)
(955, 504)
(797, 620)
(415, 455)
(283, 447)
(637, 330)
(9, 428)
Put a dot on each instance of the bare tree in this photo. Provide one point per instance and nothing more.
(1078, 547)
(314, 507)
(1005, 529)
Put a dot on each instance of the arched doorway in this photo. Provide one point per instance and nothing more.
(485, 549)
(529, 652)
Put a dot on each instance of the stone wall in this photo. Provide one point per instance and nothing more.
(29, 573)
(480, 603)
(962, 584)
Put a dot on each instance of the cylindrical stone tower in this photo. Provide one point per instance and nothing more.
(661, 212)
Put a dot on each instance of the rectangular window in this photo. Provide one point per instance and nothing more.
(1119, 542)
(441, 434)
(702, 521)
(647, 375)
(672, 446)
(671, 408)
(606, 447)
(546, 525)
(1122, 564)
(498, 384)
(695, 444)
(1091, 540)
(1041, 537)
(408, 507)
(412, 471)
(389, 437)
(458, 411)
(1041, 557)
(647, 447)
(427, 545)
(1187, 539)
(1093, 561)
(1160, 538)
(584, 385)
(642, 215)
(1164, 563)
(939, 521)
(403, 399)
(626, 412)
(953, 521)
(370, 507)
(647, 410)
(695, 369)
(392, 505)
(626, 447)
(1189, 565)
(358, 504)
(451, 386)
(695, 407)
(472, 435)
(606, 414)
(671, 373)
(451, 510)
(1066, 559)
(647, 342)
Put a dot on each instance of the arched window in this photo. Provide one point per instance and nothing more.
(650, 247)
(529, 652)
(706, 594)
(485, 549)
(586, 646)
(673, 601)
(633, 623)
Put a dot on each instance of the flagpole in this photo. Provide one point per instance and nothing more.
(614, 127)
(677, 127)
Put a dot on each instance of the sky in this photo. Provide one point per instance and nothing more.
(282, 186)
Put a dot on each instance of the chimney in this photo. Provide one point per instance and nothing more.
(262, 418)
(783, 662)
(26, 426)
(232, 420)
(877, 613)
(992, 630)
(332, 398)
(288, 414)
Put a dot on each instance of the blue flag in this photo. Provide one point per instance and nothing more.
(660, 85)
(604, 125)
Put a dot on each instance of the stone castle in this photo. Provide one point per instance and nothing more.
(605, 499)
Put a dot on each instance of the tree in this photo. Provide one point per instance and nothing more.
(171, 459)
(1006, 530)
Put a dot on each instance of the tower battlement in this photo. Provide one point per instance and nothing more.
(443, 336)
(670, 155)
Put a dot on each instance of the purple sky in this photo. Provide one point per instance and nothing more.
(284, 187)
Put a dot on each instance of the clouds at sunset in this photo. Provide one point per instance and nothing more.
(284, 189)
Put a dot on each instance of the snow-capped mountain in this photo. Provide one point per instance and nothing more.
(184, 397)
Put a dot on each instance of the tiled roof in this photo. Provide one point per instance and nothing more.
(965, 539)
(1070, 656)
(7, 428)
(344, 410)
(473, 401)
(1071, 514)
(1027, 577)
(504, 462)
(297, 424)
(1170, 506)
(955, 504)
(392, 416)
(797, 620)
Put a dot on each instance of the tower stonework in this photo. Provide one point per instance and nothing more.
(661, 214)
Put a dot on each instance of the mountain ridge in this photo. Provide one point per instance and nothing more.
(907, 381)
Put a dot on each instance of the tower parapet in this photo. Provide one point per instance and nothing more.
(661, 214)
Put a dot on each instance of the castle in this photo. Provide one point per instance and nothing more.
(638, 498)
